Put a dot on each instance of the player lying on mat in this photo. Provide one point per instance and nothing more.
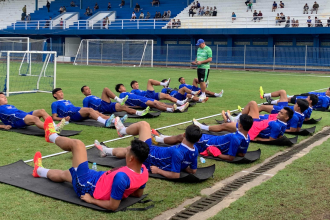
(65, 109)
(151, 94)
(183, 93)
(264, 128)
(301, 107)
(285, 100)
(322, 104)
(12, 117)
(226, 147)
(104, 104)
(143, 102)
(166, 161)
(194, 87)
(102, 188)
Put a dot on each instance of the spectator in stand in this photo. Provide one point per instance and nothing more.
(215, 11)
(169, 13)
(328, 22)
(28, 18)
(194, 5)
(137, 7)
(293, 23)
(277, 19)
(61, 23)
(96, 6)
(249, 6)
(87, 11)
(133, 16)
(24, 9)
(164, 15)
(198, 5)
(141, 15)
(48, 22)
(282, 16)
(157, 15)
(178, 23)
(247, 2)
(306, 7)
(48, 6)
(64, 9)
(309, 22)
(108, 22)
(315, 8)
(255, 16)
(233, 17)
(211, 11)
(287, 23)
(109, 6)
(60, 10)
(201, 11)
(155, 2)
(148, 16)
(281, 4)
(191, 11)
(122, 3)
(104, 23)
(72, 4)
(173, 24)
(274, 7)
(259, 16)
(318, 22)
(297, 23)
(207, 11)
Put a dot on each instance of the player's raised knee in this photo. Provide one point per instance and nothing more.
(144, 124)
(253, 103)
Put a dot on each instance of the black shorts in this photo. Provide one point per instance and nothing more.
(203, 74)
(293, 99)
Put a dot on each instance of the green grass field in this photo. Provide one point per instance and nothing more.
(240, 88)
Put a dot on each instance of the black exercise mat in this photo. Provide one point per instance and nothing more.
(321, 109)
(148, 115)
(304, 132)
(19, 174)
(216, 133)
(35, 131)
(282, 141)
(249, 157)
(312, 121)
(94, 123)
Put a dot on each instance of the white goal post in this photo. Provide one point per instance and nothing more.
(27, 71)
(113, 52)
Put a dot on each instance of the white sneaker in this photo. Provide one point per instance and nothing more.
(207, 83)
(100, 147)
(119, 125)
(195, 122)
(168, 83)
(202, 97)
(184, 107)
(59, 127)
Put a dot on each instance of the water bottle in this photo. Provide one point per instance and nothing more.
(202, 159)
(94, 167)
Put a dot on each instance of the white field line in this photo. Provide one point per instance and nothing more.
(121, 138)
(285, 74)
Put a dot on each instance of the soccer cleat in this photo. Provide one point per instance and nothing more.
(195, 122)
(119, 125)
(261, 92)
(269, 100)
(145, 111)
(205, 100)
(123, 119)
(239, 108)
(154, 132)
(60, 126)
(37, 160)
(207, 83)
(184, 107)
(49, 128)
(224, 116)
(122, 102)
(168, 83)
(221, 93)
(228, 117)
(100, 147)
(175, 107)
(109, 121)
(202, 96)
(196, 92)
(153, 140)
(186, 100)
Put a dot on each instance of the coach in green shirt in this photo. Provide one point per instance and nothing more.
(203, 59)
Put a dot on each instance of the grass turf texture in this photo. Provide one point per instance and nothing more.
(300, 191)
(239, 87)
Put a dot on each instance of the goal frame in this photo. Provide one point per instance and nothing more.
(118, 40)
(42, 73)
(19, 38)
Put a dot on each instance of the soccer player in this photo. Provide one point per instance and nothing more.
(143, 102)
(151, 94)
(12, 117)
(284, 101)
(102, 188)
(166, 161)
(194, 87)
(183, 93)
(65, 109)
(324, 99)
(264, 128)
(226, 147)
(203, 59)
(104, 104)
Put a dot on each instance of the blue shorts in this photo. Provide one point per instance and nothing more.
(151, 94)
(17, 120)
(180, 97)
(147, 162)
(194, 88)
(84, 180)
(107, 108)
(138, 102)
(77, 117)
(277, 108)
(263, 117)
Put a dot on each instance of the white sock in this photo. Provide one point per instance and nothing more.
(203, 94)
(274, 102)
(204, 127)
(117, 99)
(53, 137)
(54, 124)
(108, 151)
(194, 92)
(159, 139)
(101, 120)
(180, 102)
(267, 95)
(169, 109)
(123, 130)
(42, 172)
(216, 94)
(138, 112)
(163, 83)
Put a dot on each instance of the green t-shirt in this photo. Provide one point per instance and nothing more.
(204, 54)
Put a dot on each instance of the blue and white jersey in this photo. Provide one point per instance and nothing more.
(9, 114)
(274, 130)
(318, 93)
(175, 159)
(324, 102)
(92, 101)
(64, 108)
(296, 121)
(139, 92)
(229, 144)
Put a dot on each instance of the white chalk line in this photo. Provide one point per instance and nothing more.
(121, 138)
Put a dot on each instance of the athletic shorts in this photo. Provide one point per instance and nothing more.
(107, 108)
(77, 117)
(151, 94)
(17, 120)
(179, 96)
(195, 89)
(84, 180)
(203, 74)
(277, 108)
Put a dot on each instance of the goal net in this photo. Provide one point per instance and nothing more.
(21, 44)
(27, 71)
(115, 52)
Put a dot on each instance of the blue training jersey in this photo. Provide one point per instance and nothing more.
(139, 92)
(318, 93)
(174, 159)
(64, 108)
(324, 102)
(274, 130)
(229, 144)
(92, 101)
(186, 85)
(296, 121)
(8, 112)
